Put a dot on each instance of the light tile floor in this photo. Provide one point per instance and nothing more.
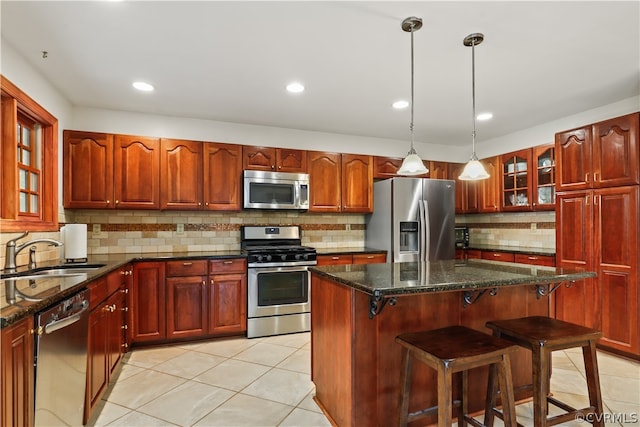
(266, 382)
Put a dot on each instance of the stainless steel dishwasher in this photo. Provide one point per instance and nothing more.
(61, 362)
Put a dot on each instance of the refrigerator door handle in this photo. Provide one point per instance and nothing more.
(425, 234)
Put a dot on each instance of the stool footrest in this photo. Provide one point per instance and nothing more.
(428, 411)
(499, 414)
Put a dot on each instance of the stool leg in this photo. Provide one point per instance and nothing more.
(540, 359)
(405, 386)
(444, 396)
(491, 396)
(506, 391)
(464, 392)
(593, 381)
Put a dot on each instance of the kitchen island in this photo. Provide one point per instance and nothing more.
(358, 310)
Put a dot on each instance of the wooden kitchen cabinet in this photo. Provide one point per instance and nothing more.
(17, 376)
(147, 317)
(186, 298)
(489, 189)
(181, 177)
(604, 154)
(106, 171)
(387, 167)
(546, 260)
(222, 172)
(274, 159)
(466, 199)
(516, 181)
(227, 296)
(598, 230)
(340, 182)
(107, 334)
(498, 256)
(369, 258)
(544, 177)
(438, 170)
(343, 259)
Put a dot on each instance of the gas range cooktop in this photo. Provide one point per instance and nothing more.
(268, 244)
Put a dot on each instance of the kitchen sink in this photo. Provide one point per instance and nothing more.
(64, 270)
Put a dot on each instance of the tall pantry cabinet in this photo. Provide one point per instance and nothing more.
(597, 215)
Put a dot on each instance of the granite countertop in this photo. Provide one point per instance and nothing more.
(50, 290)
(513, 249)
(394, 279)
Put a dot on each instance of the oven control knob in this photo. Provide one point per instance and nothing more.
(268, 258)
(306, 257)
(283, 257)
(259, 258)
(298, 256)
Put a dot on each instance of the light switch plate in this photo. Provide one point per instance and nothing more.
(97, 229)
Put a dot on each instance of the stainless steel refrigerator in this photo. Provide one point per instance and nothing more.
(413, 219)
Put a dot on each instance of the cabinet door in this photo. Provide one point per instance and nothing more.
(369, 258)
(227, 303)
(17, 376)
(335, 259)
(466, 198)
(97, 357)
(615, 151)
(222, 177)
(516, 181)
(544, 177)
(259, 158)
(357, 183)
(186, 306)
(489, 195)
(324, 181)
(136, 172)
(616, 211)
(573, 157)
(181, 174)
(147, 318)
(386, 167)
(575, 247)
(438, 170)
(88, 170)
(289, 160)
(115, 332)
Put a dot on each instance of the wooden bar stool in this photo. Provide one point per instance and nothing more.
(450, 350)
(543, 335)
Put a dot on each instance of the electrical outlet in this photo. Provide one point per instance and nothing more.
(534, 226)
(179, 228)
(348, 227)
(97, 229)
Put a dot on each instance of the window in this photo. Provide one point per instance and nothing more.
(29, 163)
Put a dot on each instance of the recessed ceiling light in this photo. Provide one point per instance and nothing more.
(143, 86)
(484, 116)
(399, 105)
(295, 87)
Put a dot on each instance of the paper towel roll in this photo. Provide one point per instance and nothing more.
(74, 237)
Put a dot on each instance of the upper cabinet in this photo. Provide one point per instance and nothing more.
(603, 154)
(200, 176)
(544, 177)
(489, 189)
(274, 159)
(340, 182)
(516, 181)
(466, 198)
(387, 167)
(103, 171)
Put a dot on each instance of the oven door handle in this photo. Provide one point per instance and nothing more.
(285, 269)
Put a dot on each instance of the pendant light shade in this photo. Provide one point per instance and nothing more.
(412, 164)
(473, 170)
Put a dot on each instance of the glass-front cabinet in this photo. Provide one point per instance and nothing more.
(516, 181)
(544, 177)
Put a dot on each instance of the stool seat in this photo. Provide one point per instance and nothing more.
(543, 335)
(450, 350)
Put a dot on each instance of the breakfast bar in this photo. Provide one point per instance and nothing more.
(358, 310)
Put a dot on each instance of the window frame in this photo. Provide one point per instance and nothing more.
(13, 101)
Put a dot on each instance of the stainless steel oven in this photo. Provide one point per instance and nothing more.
(278, 280)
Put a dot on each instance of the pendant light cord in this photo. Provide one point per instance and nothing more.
(473, 97)
(411, 124)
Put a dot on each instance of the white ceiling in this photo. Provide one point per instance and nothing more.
(230, 61)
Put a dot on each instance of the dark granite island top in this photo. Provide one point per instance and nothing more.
(393, 279)
(358, 310)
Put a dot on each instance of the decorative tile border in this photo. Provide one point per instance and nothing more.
(512, 225)
(216, 227)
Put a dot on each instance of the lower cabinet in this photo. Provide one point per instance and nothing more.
(362, 258)
(187, 299)
(17, 375)
(107, 338)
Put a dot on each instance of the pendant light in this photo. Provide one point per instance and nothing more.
(412, 164)
(473, 171)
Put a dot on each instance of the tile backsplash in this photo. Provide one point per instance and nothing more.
(139, 231)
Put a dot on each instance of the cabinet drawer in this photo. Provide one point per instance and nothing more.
(473, 254)
(536, 259)
(335, 259)
(97, 292)
(498, 256)
(186, 268)
(235, 265)
(369, 258)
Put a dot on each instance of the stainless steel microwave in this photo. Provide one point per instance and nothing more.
(276, 190)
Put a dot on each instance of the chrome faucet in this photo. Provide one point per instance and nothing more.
(12, 251)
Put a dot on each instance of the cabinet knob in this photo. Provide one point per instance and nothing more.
(124, 291)
(204, 283)
(108, 202)
(125, 345)
(199, 203)
(273, 166)
(125, 327)
(206, 204)
(125, 309)
(279, 167)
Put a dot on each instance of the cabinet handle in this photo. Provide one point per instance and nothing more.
(187, 264)
(204, 282)
(228, 262)
(211, 281)
(370, 257)
(125, 327)
(124, 291)
(125, 345)
(125, 309)
(335, 257)
(533, 258)
(496, 255)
